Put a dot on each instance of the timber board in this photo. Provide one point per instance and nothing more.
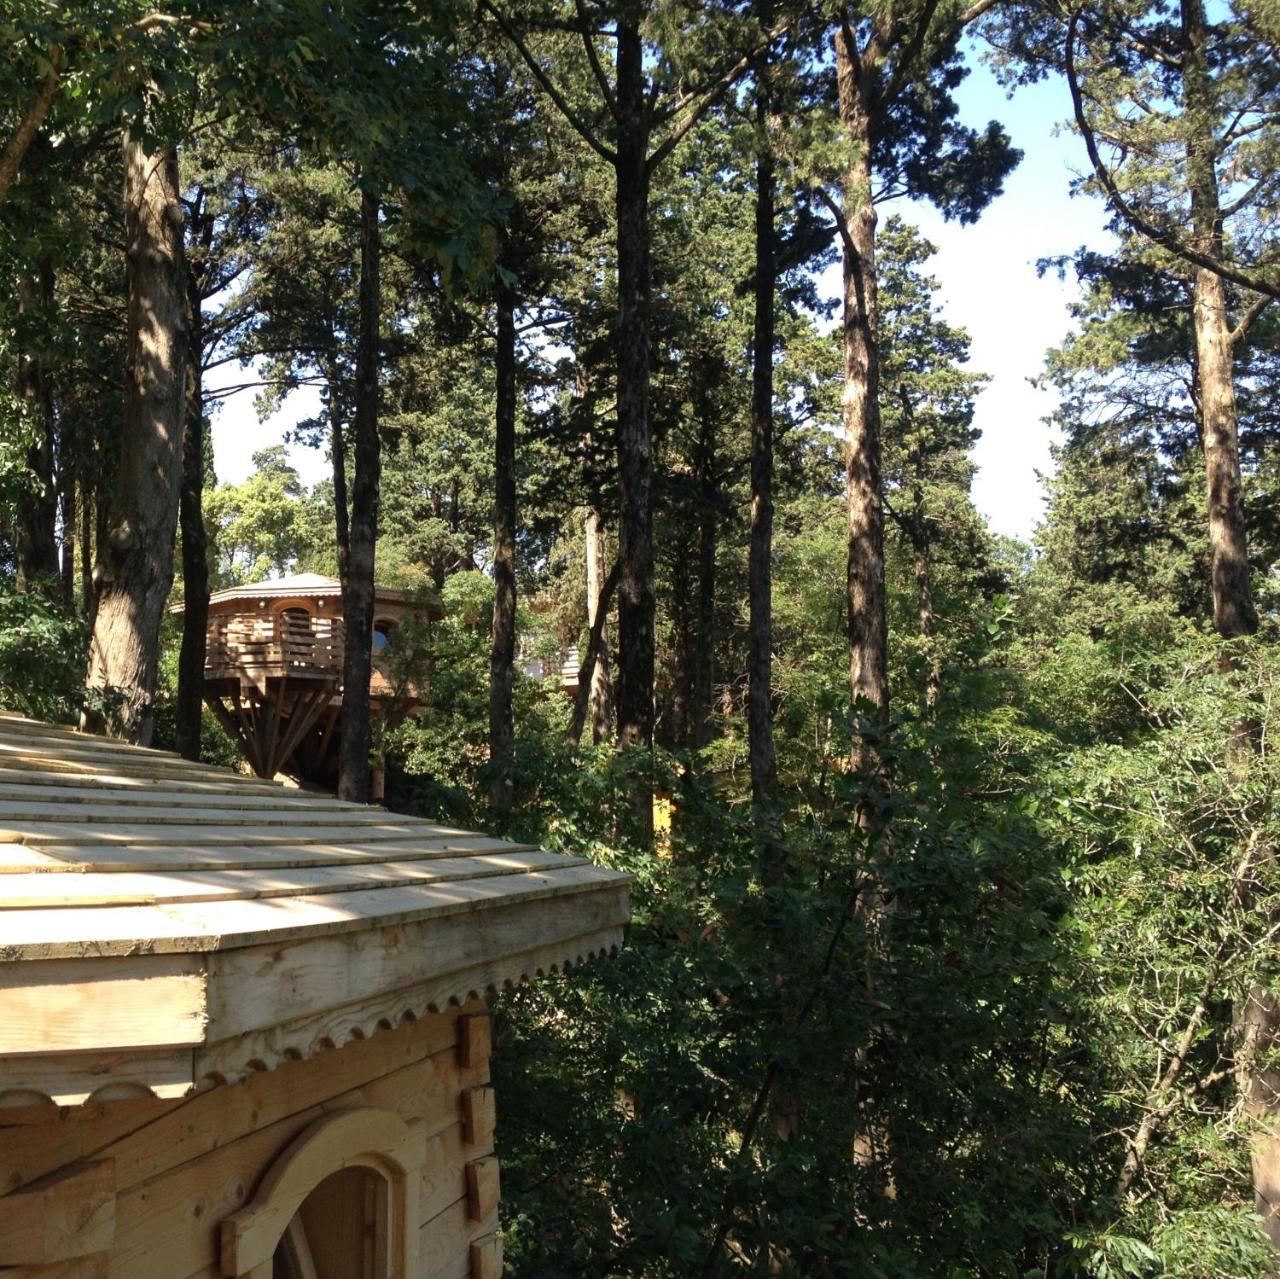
(89, 888)
(87, 932)
(18, 859)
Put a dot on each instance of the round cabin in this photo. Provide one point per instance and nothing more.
(273, 669)
(243, 1030)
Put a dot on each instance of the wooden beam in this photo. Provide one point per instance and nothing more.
(71, 1214)
(479, 1114)
(486, 1258)
(475, 1041)
(482, 1187)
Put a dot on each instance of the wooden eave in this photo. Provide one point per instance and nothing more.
(165, 926)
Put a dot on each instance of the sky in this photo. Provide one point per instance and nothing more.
(988, 286)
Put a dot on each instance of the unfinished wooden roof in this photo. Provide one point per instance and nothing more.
(166, 925)
(299, 585)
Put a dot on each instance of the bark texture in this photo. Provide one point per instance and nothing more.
(760, 748)
(923, 564)
(1234, 613)
(502, 651)
(600, 692)
(860, 401)
(594, 655)
(37, 535)
(195, 551)
(357, 574)
(704, 635)
(135, 557)
(635, 449)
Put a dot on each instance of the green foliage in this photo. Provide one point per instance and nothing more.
(42, 646)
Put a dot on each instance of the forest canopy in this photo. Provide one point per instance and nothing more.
(955, 947)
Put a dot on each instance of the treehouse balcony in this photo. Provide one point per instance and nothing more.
(273, 670)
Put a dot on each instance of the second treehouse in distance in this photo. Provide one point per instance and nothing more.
(273, 669)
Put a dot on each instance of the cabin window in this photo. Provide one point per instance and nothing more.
(337, 1232)
(340, 1202)
(382, 632)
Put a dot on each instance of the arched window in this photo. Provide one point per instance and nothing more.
(383, 630)
(341, 1202)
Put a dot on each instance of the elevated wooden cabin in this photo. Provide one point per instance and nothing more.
(243, 1029)
(273, 669)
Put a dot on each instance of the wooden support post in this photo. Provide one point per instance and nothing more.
(486, 1258)
(479, 1114)
(482, 1187)
(475, 1042)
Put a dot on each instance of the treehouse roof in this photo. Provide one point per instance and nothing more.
(166, 926)
(300, 585)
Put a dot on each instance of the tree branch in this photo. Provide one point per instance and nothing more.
(836, 212)
(588, 43)
(29, 125)
(713, 95)
(562, 105)
(1163, 239)
(1255, 309)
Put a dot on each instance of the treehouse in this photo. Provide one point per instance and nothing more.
(243, 1029)
(273, 670)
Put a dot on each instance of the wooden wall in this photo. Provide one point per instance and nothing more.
(180, 1167)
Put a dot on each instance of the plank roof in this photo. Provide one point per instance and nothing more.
(166, 925)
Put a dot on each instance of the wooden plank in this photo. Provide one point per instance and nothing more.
(17, 859)
(482, 1187)
(95, 1267)
(71, 1214)
(60, 1005)
(121, 930)
(147, 1138)
(43, 772)
(308, 1030)
(89, 888)
(444, 1243)
(71, 1079)
(21, 730)
(260, 987)
(88, 834)
(171, 795)
(200, 812)
(479, 1114)
(486, 1258)
(475, 1041)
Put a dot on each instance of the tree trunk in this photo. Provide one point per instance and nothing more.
(595, 654)
(1234, 614)
(860, 402)
(1257, 1023)
(704, 648)
(38, 567)
(357, 580)
(135, 559)
(338, 462)
(684, 677)
(924, 583)
(502, 652)
(635, 449)
(67, 515)
(88, 591)
(195, 557)
(760, 748)
(600, 693)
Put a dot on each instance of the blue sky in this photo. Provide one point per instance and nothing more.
(988, 285)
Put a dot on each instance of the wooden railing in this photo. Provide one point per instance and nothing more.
(281, 642)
